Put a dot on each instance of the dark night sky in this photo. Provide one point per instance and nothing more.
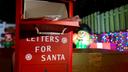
(86, 7)
(7, 10)
(82, 7)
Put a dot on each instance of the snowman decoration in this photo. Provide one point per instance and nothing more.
(82, 38)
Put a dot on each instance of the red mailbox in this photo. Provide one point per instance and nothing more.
(48, 53)
(43, 45)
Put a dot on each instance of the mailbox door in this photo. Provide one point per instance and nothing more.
(52, 53)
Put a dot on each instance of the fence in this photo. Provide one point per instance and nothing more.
(110, 21)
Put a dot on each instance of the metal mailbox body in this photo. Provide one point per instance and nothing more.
(51, 53)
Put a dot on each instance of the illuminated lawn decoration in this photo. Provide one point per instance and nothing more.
(82, 38)
(118, 39)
